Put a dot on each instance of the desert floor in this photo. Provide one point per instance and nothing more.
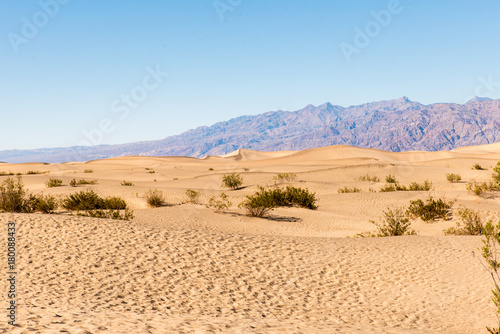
(183, 268)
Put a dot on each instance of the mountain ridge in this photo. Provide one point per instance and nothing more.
(390, 125)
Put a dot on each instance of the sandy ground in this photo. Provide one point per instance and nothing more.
(184, 269)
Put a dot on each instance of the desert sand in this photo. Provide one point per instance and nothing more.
(183, 268)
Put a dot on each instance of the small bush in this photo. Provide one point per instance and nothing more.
(155, 198)
(285, 177)
(480, 188)
(426, 186)
(388, 188)
(394, 223)
(347, 189)
(221, 204)
(2, 173)
(210, 169)
(13, 196)
(453, 178)
(470, 224)
(35, 172)
(127, 184)
(232, 181)
(496, 173)
(368, 178)
(75, 183)
(88, 171)
(265, 200)
(390, 179)
(477, 166)
(491, 253)
(431, 210)
(53, 182)
(151, 172)
(193, 196)
(46, 204)
(89, 203)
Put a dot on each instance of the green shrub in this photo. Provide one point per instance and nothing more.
(470, 224)
(390, 179)
(285, 177)
(477, 167)
(452, 178)
(35, 172)
(347, 189)
(75, 183)
(368, 178)
(46, 204)
(388, 188)
(88, 171)
(53, 182)
(89, 203)
(2, 173)
(13, 196)
(479, 188)
(219, 205)
(491, 253)
(155, 198)
(127, 184)
(151, 172)
(83, 201)
(210, 169)
(426, 186)
(232, 181)
(394, 223)
(496, 173)
(431, 210)
(265, 200)
(193, 196)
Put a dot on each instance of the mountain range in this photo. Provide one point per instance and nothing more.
(393, 125)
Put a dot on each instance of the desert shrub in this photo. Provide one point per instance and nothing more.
(368, 178)
(13, 196)
(395, 222)
(155, 198)
(35, 172)
(391, 179)
(452, 178)
(263, 201)
(151, 172)
(127, 184)
(89, 203)
(496, 173)
(232, 181)
(430, 210)
(479, 188)
(210, 169)
(491, 253)
(388, 188)
(192, 195)
(470, 224)
(83, 201)
(426, 186)
(299, 197)
(347, 189)
(115, 203)
(88, 171)
(221, 204)
(53, 182)
(477, 166)
(75, 183)
(285, 177)
(46, 204)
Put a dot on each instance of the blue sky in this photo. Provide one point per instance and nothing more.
(106, 72)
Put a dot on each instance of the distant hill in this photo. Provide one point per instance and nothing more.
(394, 125)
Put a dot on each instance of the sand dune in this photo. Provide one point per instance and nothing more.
(186, 269)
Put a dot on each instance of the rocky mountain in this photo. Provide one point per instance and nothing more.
(394, 125)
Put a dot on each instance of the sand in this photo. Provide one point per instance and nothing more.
(185, 269)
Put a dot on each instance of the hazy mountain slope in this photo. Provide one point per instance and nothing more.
(394, 125)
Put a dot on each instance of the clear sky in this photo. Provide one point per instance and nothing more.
(90, 72)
